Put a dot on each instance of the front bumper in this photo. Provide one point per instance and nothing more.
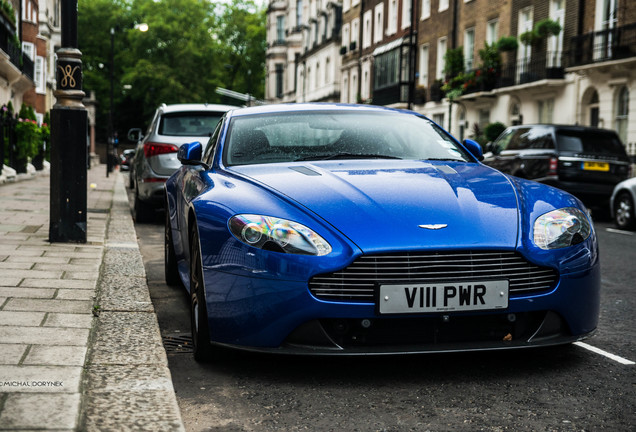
(282, 316)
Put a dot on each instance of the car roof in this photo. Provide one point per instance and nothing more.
(196, 107)
(317, 106)
(562, 127)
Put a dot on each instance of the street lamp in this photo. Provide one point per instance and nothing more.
(143, 27)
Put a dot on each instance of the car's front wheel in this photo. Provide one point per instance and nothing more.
(624, 215)
(203, 350)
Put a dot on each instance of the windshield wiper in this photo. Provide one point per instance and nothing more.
(345, 156)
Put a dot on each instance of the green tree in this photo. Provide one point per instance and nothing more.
(191, 48)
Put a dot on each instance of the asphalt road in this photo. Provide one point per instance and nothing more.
(567, 388)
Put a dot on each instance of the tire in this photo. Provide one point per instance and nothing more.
(171, 269)
(143, 212)
(624, 212)
(203, 350)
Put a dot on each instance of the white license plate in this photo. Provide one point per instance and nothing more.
(443, 297)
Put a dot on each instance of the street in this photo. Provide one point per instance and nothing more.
(570, 388)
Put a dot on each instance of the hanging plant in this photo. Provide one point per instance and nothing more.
(507, 43)
(547, 27)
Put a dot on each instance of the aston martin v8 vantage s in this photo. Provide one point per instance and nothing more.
(343, 229)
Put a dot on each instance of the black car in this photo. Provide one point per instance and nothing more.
(587, 162)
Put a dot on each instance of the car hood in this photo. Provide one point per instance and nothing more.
(396, 205)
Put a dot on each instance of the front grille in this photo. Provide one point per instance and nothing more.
(357, 282)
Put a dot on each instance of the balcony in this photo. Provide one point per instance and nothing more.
(603, 46)
(527, 71)
(13, 62)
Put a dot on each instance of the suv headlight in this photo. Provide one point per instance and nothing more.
(561, 228)
(279, 235)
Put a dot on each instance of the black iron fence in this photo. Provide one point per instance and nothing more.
(605, 45)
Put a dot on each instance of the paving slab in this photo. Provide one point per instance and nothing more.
(54, 411)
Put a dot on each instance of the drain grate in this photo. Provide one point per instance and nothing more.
(177, 343)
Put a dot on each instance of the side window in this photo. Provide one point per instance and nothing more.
(211, 146)
(522, 139)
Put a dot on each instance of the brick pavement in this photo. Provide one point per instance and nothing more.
(62, 366)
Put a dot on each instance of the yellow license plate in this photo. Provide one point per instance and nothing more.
(596, 166)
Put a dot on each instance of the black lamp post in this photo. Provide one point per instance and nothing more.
(69, 124)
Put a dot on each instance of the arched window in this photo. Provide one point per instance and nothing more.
(622, 113)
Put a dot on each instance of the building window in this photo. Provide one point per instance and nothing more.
(523, 54)
(439, 119)
(279, 80)
(426, 9)
(555, 43)
(443, 5)
(327, 70)
(484, 118)
(378, 26)
(441, 52)
(546, 111)
(345, 36)
(280, 29)
(345, 88)
(355, 31)
(492, 32)
(423, 69)
(407, 12)
(622, 113)
(29, 49)
(346, 5)
(393, 18)
(299, 13)
(386, 68)
(469, 48)
(40, 75)
(366, 30)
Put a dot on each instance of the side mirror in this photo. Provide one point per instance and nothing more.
(135, 135)
(474, 148)
(190, 154)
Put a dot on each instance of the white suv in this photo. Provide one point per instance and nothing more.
(156, 155)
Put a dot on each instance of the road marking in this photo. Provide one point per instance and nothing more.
(617, 231)
(614, 357)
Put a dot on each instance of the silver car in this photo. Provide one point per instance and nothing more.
(622, 204)
(156, 155)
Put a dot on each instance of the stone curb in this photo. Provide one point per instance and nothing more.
(127, 383)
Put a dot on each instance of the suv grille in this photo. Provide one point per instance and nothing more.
(357, 282)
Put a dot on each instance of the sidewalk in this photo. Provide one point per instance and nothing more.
(80, 348)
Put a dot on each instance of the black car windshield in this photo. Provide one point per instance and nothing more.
(189, 123)
(337, 135)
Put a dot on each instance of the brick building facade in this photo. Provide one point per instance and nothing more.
(392, 52)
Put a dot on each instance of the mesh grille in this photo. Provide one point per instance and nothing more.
(357, 282)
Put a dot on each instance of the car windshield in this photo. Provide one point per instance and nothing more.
(189, 123)
(329, 135)
(590, 142)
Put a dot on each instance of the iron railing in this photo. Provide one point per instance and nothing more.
(601, 46)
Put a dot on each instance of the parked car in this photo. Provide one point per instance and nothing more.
(344, 229)
(156, 154)
(587, 162)
(622, 204)
(125, 159)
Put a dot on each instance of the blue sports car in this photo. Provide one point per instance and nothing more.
(342, 229)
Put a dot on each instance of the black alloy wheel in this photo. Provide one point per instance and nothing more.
(624, 215)
(171, 270)
(203, 350)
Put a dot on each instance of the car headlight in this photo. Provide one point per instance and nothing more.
(280, 235)
(561, 228)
